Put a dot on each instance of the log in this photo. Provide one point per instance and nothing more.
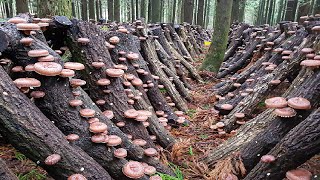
(24, 126)
(5, 172)
(298, 146)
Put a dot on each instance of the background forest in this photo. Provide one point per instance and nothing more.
(199, 12)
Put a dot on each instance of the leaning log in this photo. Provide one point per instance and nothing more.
(5, 172)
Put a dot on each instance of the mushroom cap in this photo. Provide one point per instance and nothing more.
(114, 40)
(75, 102)
(46, 58)
(133, 56)
(220, 124)
(87, 112)
(298, 174)
(17, 20)
(275, 82)
(239, 115)
(26, 41)
(114, 140)
(29, 68)
(28, 27)
(67, 73)
(52, 159)
(100, 102)
(108, 113)
(37, 94)
(286, 112)
(120, 153)
(27, 82)
(131, 113)
(227, 107)
(181, 120)
(310, 63)
(77, 82)
(100, 138)
(98, 127)
(179, 113)
(299, 103)
(103, 82)
(268, 158)
(160, 113)
(139, 142)
(133, 169)
(98, 64)
(74, 66)
(93, 120)
(43, 24)
(307, 50)
(83, 40)
(38, 53)
(162, 119)
(17, 69)
(114, 72)
(150, 152)
(150, 170)
(121, 124)
(155, 177)
(144, 113)
(141, 118)
(77, 177)
(47, 68)
(72, 137)
(316, 28)
(276, 102)
(137, 82)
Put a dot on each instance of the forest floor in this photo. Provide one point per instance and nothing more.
(194, 141)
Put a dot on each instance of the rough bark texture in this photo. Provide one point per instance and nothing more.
(299, 145)
(110, 10)
(29, 131)
(188, 11)
(116, 10)
(155, 10)
(5, 172)
(91, 10)
(84, 10)
(22, 6)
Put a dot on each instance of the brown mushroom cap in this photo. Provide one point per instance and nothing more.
(276, 102)
(139, 142)
(155, 177)
(114, 40)
(114, 72)
(46, 58)
(98, 64)
(67, 73)
(131, 113)
(299, 103)
(133, 56)
(133, 169)
(27, 82)
(98, 127)
(310, 63)
(160, 113)
(137, 82)
(74, 66)
(29, 68)
(114, 140)
(37, 94)
(17, 20)
(121, 124)
(38, 53)
(87, 112)
(307, 50)
(227, 107)
(286, 112)
(100, 138)
(26, 41)
(298, 174)
(239, 115)
(47, 68)
(150, 170)
(28, 27)
(151, 152)
(103, 82)
(17, 69)
(52, 159)
(72, 137)
(77, 177)
(120, 153)
(77, 82)
(108, 113)
(83, 41)
(75, 102)
(268, 158)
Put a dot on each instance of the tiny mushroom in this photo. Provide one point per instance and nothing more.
(52, 159)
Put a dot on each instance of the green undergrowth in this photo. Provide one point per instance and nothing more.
(176, 170)
(33, 174)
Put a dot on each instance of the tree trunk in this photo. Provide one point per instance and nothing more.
(155, 11)
(110, 10)
(235, 13)
(174, 8)
(137, 9)
(116, 10)
(316, 8)
(132, 10)
(220, 36)
(298, 146)
(280, 10)
(22, 6)
(242, 10)
(8, 9)
(29, 131)
(270, 11)
(188, 11)
(91, 10)
(73, 8)
(200, 16)
(143, 9)
(291, 10)
(98, 13)
(84, 10)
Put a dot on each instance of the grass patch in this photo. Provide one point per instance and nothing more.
(33, 174)
(20, 156)
(176, 170)
(162, 90)
(191, 112)
(191, 151)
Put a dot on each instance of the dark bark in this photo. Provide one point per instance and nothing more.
(84, 10)
(24, 126)
(280, 10)
(116, 10)
(270, 13)
(5, 172)
(137, 9)
(110, 10)
(98, 13)
(143, 8)
(22, 6)
(155, 11)
(235, 13)
(291, 10)
(188, 11)
(133, 13)
(73, 8)
(299, 145)
(91, 10)
(174, 8)
(200, 17)
(242, 10)
(8, 8)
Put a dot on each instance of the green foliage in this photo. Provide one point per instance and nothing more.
(33, 174)
(104, 28)
(191, 112)
(162, 90)
(261, 104)
(177, 172)
(191, 151)
(203, 136)
(20, 156)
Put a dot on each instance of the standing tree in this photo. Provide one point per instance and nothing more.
(91, 9)
(281, 9)
(173, 17)
(200, 17)
(291, 10)
(155, 10)
(143, 8)
(316, 7)
(22, 6)
(116, 10)
(220, 36)
(52, 8)
(188, 11)
(110, 10)
(98, 13)
(84, 10)
(235, 10)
